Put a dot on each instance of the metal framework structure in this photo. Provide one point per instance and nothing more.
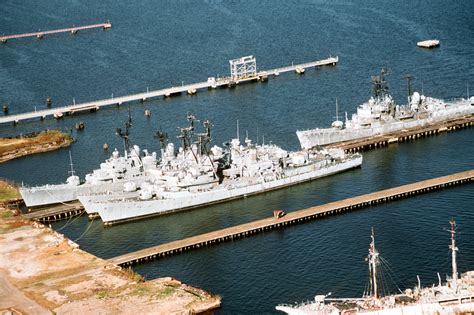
(243, 67)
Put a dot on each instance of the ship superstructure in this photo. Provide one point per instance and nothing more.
(198, 176)
(456, 296)
(133, 165)
(380, 115)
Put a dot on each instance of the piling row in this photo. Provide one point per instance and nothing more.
(297, 217)
(404, 136)
(56, 213)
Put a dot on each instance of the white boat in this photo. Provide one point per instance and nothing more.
(112, 174)
(456, 296)
(380, 115)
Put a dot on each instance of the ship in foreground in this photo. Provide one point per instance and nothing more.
(380, 116)
(198, 175)
(456, 296)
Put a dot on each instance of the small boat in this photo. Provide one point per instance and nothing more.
(431, 43)
(58, 115)
(299, 70)
(80, 125)
(192, 91)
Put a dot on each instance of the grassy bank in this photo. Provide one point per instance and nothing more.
(44, 141)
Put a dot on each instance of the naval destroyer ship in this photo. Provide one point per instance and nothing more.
(111, 176)
(380, 115)
(456, 296)
(199, 175)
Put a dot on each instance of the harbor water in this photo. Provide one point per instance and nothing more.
(157, 44)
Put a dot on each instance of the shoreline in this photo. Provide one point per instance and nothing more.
(42, 272)
(45, 141)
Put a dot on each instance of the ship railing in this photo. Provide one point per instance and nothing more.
(296, 304)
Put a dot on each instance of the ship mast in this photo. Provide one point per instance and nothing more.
(409, 78)
(453, 253)
(373, 259)
(70, 163)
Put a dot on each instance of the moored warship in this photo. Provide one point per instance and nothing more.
(199, 176)
(456, 296)
(380, 115)
(111, 176)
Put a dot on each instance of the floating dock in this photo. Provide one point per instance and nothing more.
(431, 43)
(55, 212)
(255, 227)
(412, 134)
(210, 83)
(41, 34)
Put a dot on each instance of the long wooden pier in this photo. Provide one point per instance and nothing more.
(41, 34)
(412, 134)
(56, 212)
(166, 92)
(247, 229)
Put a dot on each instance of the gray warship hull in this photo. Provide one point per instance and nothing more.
(125, 210)
(321, 137)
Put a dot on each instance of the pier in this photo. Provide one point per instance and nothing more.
(240, 76)
(406, 135)
(55, 213)
(296, 217)
(41, 34)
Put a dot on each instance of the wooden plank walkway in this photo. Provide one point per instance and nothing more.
(295, 217)
(220, 82)
(55, 212)
(40, 34)
(404, 135)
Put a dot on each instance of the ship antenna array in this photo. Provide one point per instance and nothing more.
(454, 249)
(125, 135)
(380, 85)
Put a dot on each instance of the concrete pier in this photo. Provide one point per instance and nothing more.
(406, 135)
(55, 213)
(301, 216)
(40, 34)
(167, 92)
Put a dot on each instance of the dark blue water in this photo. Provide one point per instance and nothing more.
(156, 44)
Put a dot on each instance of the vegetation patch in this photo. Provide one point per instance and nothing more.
(13, 147)
(103, 294)
(140, 291)
(8, 192)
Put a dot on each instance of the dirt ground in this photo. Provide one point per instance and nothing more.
(42, 272)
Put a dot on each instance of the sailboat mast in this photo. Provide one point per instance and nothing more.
(453, 252)
(337, 117)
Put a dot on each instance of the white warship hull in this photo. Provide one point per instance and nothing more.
(51, 194)
(124, 210)
(320, 137)
(455, 306)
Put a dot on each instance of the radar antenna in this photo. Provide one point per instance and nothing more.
(125, 135)
(380, 85)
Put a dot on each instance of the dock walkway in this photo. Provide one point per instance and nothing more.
(55, 213)
(40, 34)
(247, 229)
(380, 141)
(220, 82)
